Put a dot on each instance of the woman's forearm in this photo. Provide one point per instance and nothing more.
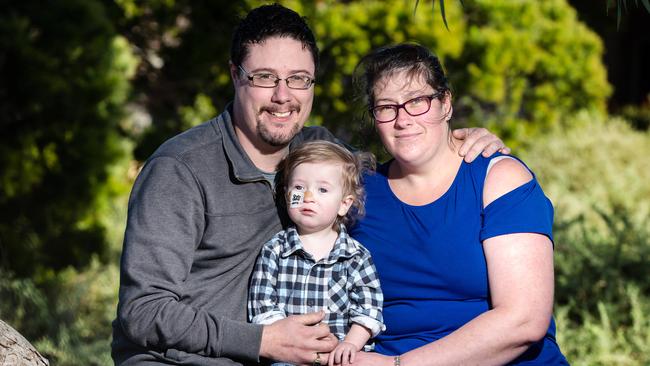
(493, 338)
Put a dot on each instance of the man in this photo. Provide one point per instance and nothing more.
(204, 204)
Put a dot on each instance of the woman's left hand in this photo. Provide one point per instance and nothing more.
(372, 359)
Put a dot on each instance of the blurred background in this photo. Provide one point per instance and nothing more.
(90, 88)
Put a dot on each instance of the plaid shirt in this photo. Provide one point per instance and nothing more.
(286, 281)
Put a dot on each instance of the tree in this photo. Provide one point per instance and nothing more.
(513, 65)
(619, 6)
(65, 77)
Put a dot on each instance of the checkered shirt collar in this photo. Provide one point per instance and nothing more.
(344, 247)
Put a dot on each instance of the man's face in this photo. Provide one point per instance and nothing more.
(268, 117)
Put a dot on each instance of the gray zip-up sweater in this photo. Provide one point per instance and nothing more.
(198, 215)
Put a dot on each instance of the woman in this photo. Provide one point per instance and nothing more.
(464, 250)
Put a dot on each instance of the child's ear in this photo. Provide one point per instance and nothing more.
(346, 203)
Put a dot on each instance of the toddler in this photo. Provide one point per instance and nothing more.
(314, 265)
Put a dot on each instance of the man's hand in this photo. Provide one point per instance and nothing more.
(297, 339)
(343, 354)
(477, 140)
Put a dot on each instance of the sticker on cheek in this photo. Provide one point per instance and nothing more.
(296, 198)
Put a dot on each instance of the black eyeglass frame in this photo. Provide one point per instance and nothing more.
(397, 107)
(251, 78)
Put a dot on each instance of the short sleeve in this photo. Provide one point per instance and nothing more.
(525, 209)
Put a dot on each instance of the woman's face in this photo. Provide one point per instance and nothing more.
(412, 140)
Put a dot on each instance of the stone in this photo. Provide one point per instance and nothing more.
(15, 350)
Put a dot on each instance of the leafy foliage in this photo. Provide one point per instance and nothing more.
(91, 87)
(516, 67)
(64, 81)
(622, 4)
(184, 49)
(639, 116)
(525, 65)
(603, 239)
(602, 338)
(67, 316)
(596, 173)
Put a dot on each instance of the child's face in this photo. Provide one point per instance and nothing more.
(321, 185)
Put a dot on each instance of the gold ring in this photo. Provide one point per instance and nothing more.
(316, 360)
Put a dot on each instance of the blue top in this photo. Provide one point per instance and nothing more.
(430, 258)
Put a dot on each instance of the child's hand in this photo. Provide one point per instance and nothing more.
(343, 354)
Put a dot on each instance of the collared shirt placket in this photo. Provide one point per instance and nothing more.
(313, 300)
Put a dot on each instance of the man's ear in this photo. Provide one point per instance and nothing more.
(346, 203)
(234, 71)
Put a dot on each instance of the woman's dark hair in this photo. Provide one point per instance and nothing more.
(417, 60)
(271, 21)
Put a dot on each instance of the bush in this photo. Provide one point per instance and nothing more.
(525, 65)
(516, 66)
(67, 316)
(596, 173)
(600, 339)
(65, 78)
(638, 115)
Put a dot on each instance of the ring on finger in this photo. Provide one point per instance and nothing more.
(317, 360)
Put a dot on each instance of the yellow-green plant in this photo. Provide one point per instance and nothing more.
(599, 339)
(65, 81)
(595, 170)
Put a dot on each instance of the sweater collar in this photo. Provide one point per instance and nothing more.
(242, 166)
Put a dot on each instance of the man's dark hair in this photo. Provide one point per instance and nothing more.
(271, 21)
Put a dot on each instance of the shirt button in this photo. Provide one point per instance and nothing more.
(310, 302)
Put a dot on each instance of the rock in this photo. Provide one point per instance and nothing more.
(15, 350)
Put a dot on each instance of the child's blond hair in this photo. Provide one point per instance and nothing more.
(352, 167)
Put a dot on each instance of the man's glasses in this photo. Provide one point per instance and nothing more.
(268, 80)
(414, 107)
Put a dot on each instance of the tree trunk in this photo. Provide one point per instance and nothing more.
(15, 350)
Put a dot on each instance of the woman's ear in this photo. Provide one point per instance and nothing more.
(450, 113)
(448, 107)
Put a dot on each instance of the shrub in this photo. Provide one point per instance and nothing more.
(516, 66)
(65, 78)
(67, 316)
(596, 172)
(525, 65)
(600, 339)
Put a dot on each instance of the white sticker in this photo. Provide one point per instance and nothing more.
(296, 198)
